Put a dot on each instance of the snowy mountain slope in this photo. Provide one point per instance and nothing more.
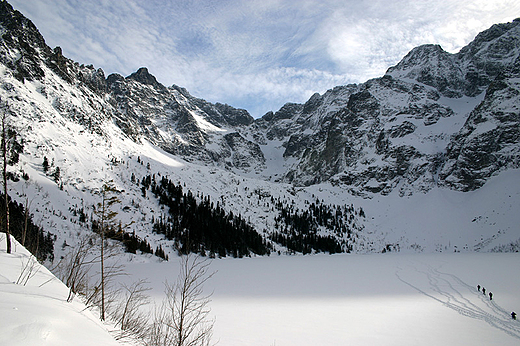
(370, 152)
(369, 137)
(34, 307)
(87, 159)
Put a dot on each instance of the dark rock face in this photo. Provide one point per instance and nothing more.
(93, 79)
(489, 140)
(244, 154)
(21, 35)
(434, 119)
(402, 130)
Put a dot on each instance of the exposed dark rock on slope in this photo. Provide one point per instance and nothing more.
(434, 119)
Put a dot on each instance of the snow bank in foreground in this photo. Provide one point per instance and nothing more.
(37, 313)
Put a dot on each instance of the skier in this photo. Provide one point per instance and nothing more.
(490, 296)
(478, 288)
(484, 290)
(513, 315)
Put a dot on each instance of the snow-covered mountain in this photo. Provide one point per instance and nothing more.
(435, 127)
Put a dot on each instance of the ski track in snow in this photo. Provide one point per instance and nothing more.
(454, 293)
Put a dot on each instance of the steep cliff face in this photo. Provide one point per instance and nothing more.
(489, 140)
(373, 137)
(434, 119)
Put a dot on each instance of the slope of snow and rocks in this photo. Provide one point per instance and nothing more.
(423, 159)
(435, 122)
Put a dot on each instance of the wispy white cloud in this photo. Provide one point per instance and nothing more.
(275, 85)
(257, 54)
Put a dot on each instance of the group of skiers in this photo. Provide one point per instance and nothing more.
(484, 291)
(513, 314)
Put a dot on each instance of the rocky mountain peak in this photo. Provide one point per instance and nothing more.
(488, 36)
(467, 72)
(431, 65)
(19, 29)
(435, 118)
(144, 77)
(21, 36)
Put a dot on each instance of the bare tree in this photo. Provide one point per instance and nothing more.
(26, 220)
(129, 313)
(29, 268)
(183, 318)
(112, 290)
(10, 148)
(4, 176)
(106, 214)
(74, 268)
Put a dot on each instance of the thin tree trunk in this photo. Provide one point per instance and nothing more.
(4, 157)
(103, 263)
(102, 260)
(24, 234)
(102, 276)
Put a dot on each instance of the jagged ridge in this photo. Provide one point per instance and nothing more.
(364, 136)
(435, 119)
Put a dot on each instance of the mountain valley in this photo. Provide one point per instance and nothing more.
(434, 143)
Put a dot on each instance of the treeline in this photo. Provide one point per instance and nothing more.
(130, 241)
(201, 226)
(39, 242)
(319, 228)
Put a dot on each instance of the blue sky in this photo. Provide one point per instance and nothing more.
(257, 54)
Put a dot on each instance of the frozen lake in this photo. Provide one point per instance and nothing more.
(377, 299)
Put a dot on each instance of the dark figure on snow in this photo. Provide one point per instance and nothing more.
(490, 296)
(484, 290)
(513, 315)
(478, 288)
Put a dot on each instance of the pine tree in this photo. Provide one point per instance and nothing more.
(56, 175)
(45, 164)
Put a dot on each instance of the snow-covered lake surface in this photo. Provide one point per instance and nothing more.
(376, 299)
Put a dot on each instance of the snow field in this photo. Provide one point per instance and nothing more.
(385, 299)
(37, 313)
(389, 299)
